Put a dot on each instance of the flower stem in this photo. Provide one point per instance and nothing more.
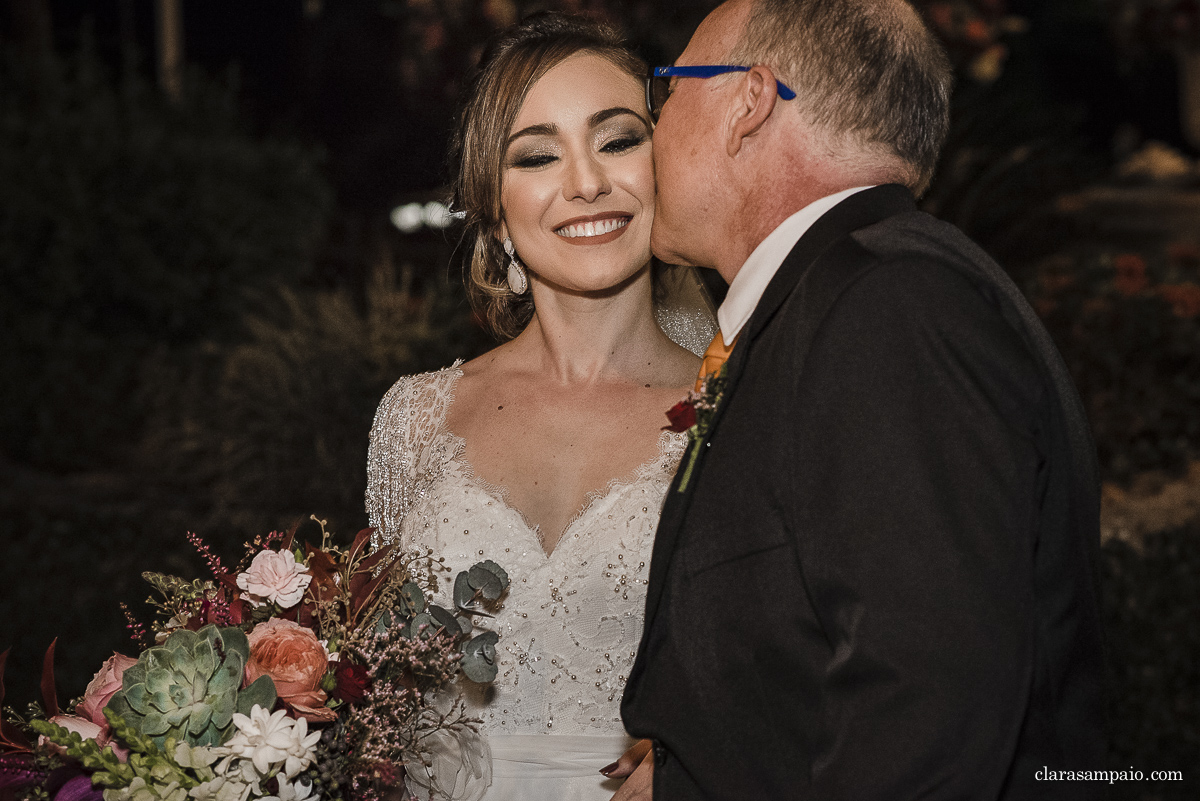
(693, 452)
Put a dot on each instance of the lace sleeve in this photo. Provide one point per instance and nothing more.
(407, 450)
(388, 485)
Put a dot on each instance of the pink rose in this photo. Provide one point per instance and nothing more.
(274, 576)
(81, 726)
(103, 686)
(296, 661)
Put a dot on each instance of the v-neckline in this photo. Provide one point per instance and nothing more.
(501, 495)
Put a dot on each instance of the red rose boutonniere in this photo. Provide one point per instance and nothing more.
(682, 415)
(693, 415)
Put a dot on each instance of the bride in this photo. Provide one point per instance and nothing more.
(547, 454)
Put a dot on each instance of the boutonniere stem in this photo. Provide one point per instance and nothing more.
(694, 415)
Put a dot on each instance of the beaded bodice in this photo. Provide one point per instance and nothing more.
(571, 621)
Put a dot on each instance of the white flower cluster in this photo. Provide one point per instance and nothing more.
(269, 744)
(266, 746)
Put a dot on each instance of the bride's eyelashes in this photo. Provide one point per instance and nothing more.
(623, 142)
(527, 161)
(609, 143)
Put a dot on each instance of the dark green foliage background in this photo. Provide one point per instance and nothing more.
(130, 224)
(1152, 596)
(1136, 365)
(172, 361)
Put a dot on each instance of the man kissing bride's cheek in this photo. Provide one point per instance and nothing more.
(875, 577)
(856, 558)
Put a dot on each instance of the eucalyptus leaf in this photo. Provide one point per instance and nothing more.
(465, 624)
(496, 570)
(412, 599)
(385, 621)
(445, 620)
(422, 619)
(464, 594)
(489, 578)
(479, 658)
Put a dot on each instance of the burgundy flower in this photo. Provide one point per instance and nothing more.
(352, 683)
(682, 416)
(79, 788)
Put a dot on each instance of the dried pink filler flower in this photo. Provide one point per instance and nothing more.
(274, 576)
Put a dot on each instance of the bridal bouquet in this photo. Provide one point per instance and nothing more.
(306, 673)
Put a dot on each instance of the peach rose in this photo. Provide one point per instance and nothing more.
(103, 686)
(296, 661)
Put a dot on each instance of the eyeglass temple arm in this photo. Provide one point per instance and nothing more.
(713, 70)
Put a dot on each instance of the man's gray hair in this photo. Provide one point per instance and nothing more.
(869, 69)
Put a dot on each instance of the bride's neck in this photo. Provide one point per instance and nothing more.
(580, 339)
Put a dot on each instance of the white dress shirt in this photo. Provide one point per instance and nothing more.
(751, 281)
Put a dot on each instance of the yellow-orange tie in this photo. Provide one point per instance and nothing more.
(716, 355)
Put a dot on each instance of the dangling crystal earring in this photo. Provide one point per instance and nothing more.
(518, 282)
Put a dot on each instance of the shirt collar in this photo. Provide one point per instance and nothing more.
(751, 281)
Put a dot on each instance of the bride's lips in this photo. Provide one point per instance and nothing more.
(595, 229)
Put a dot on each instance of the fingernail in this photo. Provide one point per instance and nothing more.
(607, 769)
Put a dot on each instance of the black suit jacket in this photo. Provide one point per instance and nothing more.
(881, 581)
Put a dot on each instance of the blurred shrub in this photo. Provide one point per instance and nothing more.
(276, 428)
(1152, 597)
(1012, 147)
(972, 31)
(67, 565)
(1128, 326)
(128, 222)
(237, 439)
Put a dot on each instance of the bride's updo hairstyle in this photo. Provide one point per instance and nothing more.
(508, 69)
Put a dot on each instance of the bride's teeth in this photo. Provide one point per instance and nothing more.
(593, 228)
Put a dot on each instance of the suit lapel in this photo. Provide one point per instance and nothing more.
(855, 212)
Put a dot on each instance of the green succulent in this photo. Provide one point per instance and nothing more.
(188, 687)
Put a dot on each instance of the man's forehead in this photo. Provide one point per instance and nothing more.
(718, 34)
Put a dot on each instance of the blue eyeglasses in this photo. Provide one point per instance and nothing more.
(658, 85)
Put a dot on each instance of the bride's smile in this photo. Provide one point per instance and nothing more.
(594, 230)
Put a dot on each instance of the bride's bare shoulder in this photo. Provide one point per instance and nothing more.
(483, 375)
(491, 366)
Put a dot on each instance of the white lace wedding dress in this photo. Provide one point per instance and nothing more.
(571, 622)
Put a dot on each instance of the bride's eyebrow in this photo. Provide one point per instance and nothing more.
(542, 129)
(608, 113)
(550, 129)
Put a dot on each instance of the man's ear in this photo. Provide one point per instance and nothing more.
(753, 106)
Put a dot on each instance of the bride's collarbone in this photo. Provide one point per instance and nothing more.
(488, 404)
(550, 451)
(556, 453)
